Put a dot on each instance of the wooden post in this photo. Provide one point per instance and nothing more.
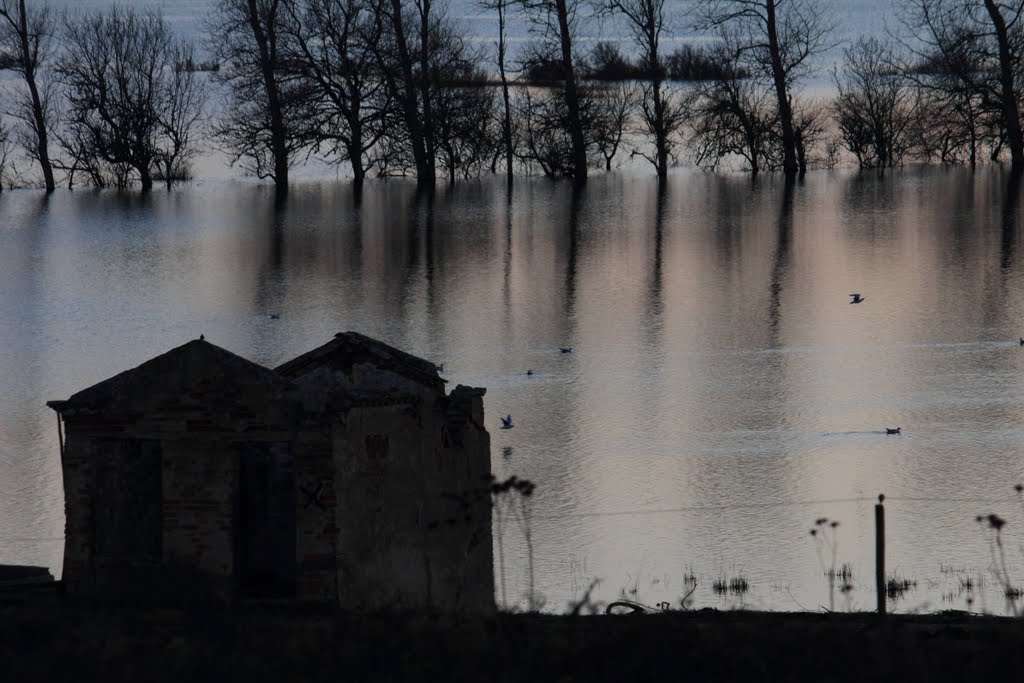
(880, 554)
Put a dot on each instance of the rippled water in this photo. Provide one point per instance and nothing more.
(721, 394)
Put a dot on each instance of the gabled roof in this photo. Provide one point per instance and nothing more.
(190, 372)
(351, 348)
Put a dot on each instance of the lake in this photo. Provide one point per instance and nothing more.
(721, 394)
(852, 18)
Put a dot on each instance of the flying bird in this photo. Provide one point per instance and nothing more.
(274, 316)
(529, 373)
(565, 349)
(506, 422)
(856, 298)
(893, 430)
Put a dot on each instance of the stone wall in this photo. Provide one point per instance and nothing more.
(414, 526)
(198, 513)
(385, 474)
(316, 503)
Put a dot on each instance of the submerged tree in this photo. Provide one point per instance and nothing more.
(441, 112)
(182, 111)
(972, 54)
(130, 109)
(875, 106)
(501, 6)
(464, 110)
(403, 55)
(607, 111)
(26, 36)
(661, 114)
(262, 123)
(555, 23)
(331, 45)
(779, 38)
(544, 120)
(5, 154)
(733, 116)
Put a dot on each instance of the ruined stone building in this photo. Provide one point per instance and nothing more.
(346, 476)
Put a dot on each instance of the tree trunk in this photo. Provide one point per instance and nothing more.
(28, 64)
(1008, 96)
(660, 134)
(266, 43)
(654, 65)
(789, 160)
(506, 124)
(572, 100)
(358, 171)
(38, 119)
(355, 147)
(146, 177)
(801, 153)
(425, 172)
(427, 123)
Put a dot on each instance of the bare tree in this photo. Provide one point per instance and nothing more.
(26, 35)
(955, 126)
(1004, 18)
(404, 59)
(501, 6)
(810, 119)
(331, 44)
(779, 39)
(555, 23)
(545, 142)
(464, 107)
(464, 121)
(733, 116)
(875, 106)
(131, 110)
(543, 117)
(607, 111)
(661, 115)
(5, 155)
(180, 111)
(262, 124)
(974, 49)
(442, 107)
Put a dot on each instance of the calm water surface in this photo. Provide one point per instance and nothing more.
(721, 394)
(851, 19)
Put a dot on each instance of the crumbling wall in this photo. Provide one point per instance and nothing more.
(316, 505)
(198, 513)
(415, 522)
(77, 471)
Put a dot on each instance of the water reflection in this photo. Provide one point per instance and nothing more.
(1011, 204)
(720, 393)
(780, 262)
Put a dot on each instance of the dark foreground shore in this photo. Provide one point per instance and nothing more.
(77, 644)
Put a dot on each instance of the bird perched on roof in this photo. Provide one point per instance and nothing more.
(856, 298)
(506, 422)
(565, 349)
(439, 367)
(202, 337)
